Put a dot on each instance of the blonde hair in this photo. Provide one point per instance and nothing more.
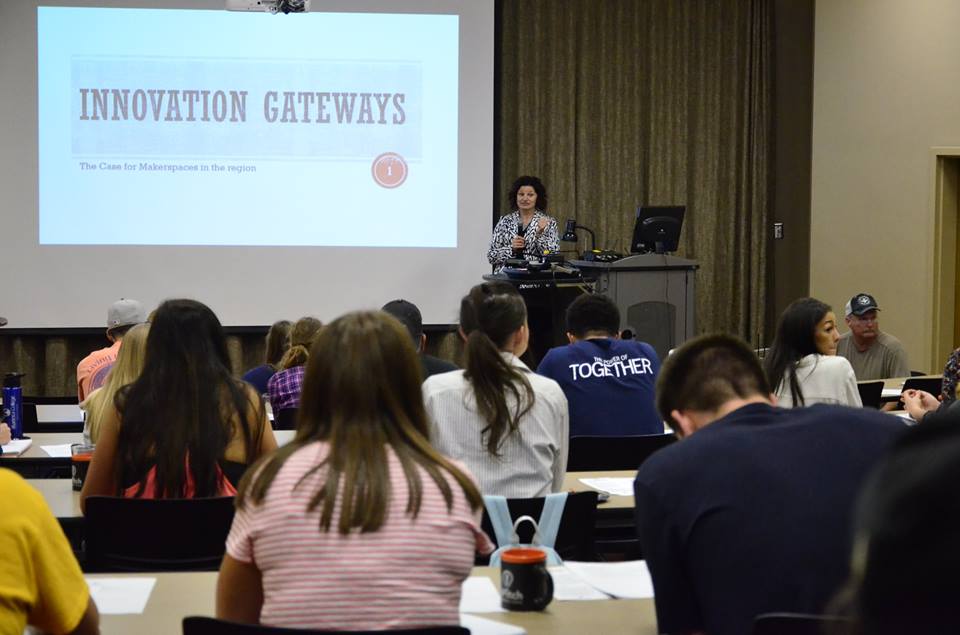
(126, 369)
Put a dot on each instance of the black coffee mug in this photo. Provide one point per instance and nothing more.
(525, 583)
(80, 455)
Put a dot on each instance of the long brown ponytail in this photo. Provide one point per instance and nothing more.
(489, 315)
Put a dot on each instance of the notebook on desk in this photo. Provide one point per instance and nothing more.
(16, 447)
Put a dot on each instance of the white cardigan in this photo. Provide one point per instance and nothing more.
(823, 379)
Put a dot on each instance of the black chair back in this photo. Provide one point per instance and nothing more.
(30, 423)
(589, 453)
(575, 536)
(285, 419)
(138, 534)
(870, 393)
(796, 624)
(212, 626)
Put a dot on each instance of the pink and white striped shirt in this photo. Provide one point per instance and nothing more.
(408, 574)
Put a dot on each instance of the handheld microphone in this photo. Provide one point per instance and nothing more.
(518, 253)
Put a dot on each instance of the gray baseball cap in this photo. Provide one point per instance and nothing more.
(125, 312)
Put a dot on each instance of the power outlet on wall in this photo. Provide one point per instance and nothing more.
(778, 231)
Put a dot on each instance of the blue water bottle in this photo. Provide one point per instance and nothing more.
(13, 404)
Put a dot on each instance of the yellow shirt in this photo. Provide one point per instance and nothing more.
(40, 580)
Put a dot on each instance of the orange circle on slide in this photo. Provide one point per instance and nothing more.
(389, 170)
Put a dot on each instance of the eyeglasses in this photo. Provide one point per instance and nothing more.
(864, 318)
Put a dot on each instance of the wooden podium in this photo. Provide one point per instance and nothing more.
(655, 295)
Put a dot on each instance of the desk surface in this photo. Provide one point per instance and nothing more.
(571, 483)
(35, 451)
(59, 495)
(177, 595)
(46, 438)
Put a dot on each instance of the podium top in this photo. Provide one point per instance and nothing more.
(539, 280)
(647, 262)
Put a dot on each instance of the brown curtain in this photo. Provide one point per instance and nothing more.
(50, 361)
(616, 103)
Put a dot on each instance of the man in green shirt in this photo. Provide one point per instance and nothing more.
(872, 353)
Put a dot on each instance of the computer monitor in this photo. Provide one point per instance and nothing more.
(657, 229)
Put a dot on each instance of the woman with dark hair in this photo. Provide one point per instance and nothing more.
(283, 388)
(802, 364)
(358, 523)
(277, 343)
(527, 230)
(185, 428)
(506, 423)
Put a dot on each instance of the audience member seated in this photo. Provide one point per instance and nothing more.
(872, 353)
(919, 403)
(92, 369)
(409, 316)
(278, 341)
(906, 556)
(284, 387)
(358, 523)
(507, 424)
(41, 584)
(186, 427)
(802, 365)
(750, 512)
(608, 381)
(124, 371)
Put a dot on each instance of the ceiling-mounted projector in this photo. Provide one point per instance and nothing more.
(269, 6)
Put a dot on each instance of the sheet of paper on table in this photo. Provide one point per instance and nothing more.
(569, 586)
(890, 393)
(617, 486)
(479, 595)
(16, 446)
(121, 596)
(61, 451)
(625, 580)
(482, 626)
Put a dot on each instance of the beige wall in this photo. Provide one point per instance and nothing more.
(886, 90)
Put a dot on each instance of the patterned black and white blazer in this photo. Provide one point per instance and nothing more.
(536, 240)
